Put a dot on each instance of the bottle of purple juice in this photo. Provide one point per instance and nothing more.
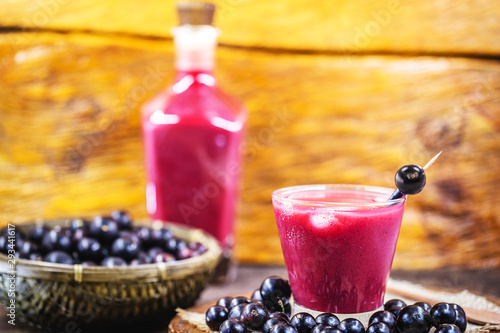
(192, 136)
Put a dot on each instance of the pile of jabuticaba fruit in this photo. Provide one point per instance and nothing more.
(268, 311)
(338, 92)
(105, 240)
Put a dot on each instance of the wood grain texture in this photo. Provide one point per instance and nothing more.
(70, 141)
(393, 26)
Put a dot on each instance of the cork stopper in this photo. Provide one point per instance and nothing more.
(195, 12)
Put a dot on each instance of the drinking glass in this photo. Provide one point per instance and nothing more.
(338, 242)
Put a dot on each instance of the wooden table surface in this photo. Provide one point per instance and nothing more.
(248, 278)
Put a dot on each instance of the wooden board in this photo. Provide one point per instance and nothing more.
(71, 140)
(342, 27)
(179, 325)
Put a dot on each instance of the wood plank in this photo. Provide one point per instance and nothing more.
(71, 141)
(345, 27)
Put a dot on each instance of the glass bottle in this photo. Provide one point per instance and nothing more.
(192, 137)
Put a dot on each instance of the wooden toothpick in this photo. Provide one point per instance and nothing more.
(431, 162)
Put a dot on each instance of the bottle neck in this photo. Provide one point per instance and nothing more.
(195, 49)
(180, 74)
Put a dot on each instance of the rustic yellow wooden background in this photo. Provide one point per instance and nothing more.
(338, 92)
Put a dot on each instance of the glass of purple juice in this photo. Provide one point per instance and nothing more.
(338, 242)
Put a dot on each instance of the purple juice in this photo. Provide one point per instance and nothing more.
(338, 242)
(192, 135)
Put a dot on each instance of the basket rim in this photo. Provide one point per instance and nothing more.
(141, 273)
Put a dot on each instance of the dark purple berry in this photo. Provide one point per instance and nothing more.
(321, 328)
(125, 248)
(271, 322)
(277, 306)
(288, 309)
(379, 327)
(410, 179)
(279, 314)
(160, 237)
(154, 251)
(274, 289)
(89, 264)
(78, 224)
(395, 310)
(105, 251)
(37, 233)
(385, 317)
(443, 313)
(254, 315)
(111, 262)
(394, 302)
(414, 319)
(328, 319)
(461, 321)
(303, 322)
(458, 308)
(329, 329)
(448, 328)
(424, 305)
(58, 257)
(78, 235)
(104, 229)
(283, 328)
(5, 232)
(184, 253)
(55, 241)
(129, 235)
(13, 242)
(143, 257)
(35, 256)
(15, 234)
(4, 244)
(224, 301)
(138, 261)
(27, 248)
(144, 235)
(235, 311)
(256, 296)
(215, 316)
(66, 231)
(123, 219)
(163, 257)
(351, 325)
(238, 300)
(174, 245)
(197, 248)
(89, 249)
(232, 325)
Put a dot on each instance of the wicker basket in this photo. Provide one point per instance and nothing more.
(52, 296)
